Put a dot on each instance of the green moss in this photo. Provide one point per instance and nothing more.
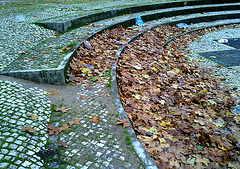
(65, 51)
(72, 44)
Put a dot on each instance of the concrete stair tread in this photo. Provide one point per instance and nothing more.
(48, 56)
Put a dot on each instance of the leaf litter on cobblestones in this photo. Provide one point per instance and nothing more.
(181, 115)
(56, 130)
(179, 112)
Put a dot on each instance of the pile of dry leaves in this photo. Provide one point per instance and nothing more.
(94, 59)
(180, 113)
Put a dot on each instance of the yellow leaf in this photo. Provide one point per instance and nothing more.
(153, 68)
(221, 147)
(153, 130)
(85, 70)
(176, 70)
(164, 124)
(167, 58)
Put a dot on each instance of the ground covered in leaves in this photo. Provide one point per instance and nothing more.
(179, 112)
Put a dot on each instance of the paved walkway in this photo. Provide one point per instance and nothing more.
(90, 145)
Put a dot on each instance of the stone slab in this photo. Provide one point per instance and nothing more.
(234, 43)
(225, 58)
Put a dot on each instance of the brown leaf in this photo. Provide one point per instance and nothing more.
(124, 122)
(85, 97)
(94, 119)
(33, 116)
(63, 144)
(62, 109)
(29, 129)
(53, 92)
(64, 127)
(53, 130)
(74, 121)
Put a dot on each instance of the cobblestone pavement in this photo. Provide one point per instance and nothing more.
(20, 148)
(90, 145)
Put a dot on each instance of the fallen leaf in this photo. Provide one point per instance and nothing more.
(62, 109)
(87, 44)
(33, 116)
(29, 129)
(64, 128)
(124, 122)
(191, 161)
(85, 97)
(63, 144)
(202, 160)
(28, 60)
(74, 121)
(53, 130)
(137, 66)
(85, 70)
(94, 119)
(53, 92)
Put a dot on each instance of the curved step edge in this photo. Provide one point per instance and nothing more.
(58, 75)
(83, 20)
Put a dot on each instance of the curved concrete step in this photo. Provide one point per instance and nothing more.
(63, 24)
(39, 70)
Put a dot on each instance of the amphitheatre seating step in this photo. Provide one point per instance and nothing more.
(47, 63)
(65, 23)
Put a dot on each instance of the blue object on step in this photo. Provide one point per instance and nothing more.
(236, 109)
(182, 25)
(139, 20)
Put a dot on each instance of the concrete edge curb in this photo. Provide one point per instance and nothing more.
(138, 147)
(83, 20)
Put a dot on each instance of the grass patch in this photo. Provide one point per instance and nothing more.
(128, 141)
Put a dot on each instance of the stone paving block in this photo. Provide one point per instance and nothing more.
(21, 145)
